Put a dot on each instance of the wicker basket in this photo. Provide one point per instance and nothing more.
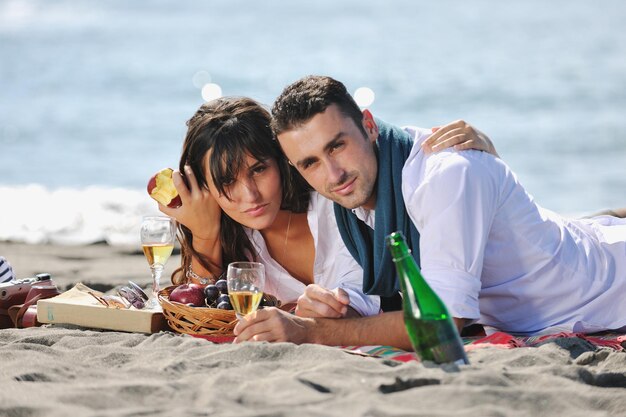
(204, 321)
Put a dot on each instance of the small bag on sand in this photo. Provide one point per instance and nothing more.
(18, 300)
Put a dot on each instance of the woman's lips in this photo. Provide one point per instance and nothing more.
(256, 210)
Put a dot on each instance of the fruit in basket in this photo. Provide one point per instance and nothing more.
(222, 298)
(223, 302)
(190, 294)
(269, 300)
(161, 188)
(222, 286)
(211, 293)
(216, 296)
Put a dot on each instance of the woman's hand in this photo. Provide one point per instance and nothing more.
(200, 212)
(459, 135)
(321, 302)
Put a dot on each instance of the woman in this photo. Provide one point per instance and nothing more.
(242, 200)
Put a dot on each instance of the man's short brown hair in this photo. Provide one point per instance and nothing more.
(309, 96)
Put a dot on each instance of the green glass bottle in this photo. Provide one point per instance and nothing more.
(432, 331)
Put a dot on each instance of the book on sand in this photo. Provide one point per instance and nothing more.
(76, 306)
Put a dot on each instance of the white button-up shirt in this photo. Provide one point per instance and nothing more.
(333, 266)
(492, 254)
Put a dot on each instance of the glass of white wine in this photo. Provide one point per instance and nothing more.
(157, 239)
(245, 282)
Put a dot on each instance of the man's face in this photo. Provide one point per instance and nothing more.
(333, 155)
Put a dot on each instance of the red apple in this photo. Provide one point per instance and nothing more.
(188, 294)
(161, 188)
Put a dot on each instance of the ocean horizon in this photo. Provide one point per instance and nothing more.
(95, 96)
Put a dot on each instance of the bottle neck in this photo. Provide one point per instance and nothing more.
(399, 250)
(400, 256)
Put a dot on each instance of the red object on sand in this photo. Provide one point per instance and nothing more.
(215, 339)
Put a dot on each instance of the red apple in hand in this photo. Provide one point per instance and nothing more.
(188, 294)
(161, 188)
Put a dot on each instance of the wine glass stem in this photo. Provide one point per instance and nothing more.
(157, 270)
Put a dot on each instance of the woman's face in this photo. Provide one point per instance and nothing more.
(253, 198)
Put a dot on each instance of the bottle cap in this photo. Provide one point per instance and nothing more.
(394, 238)
(397, 246)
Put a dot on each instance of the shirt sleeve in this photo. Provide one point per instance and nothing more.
(351, 281)
(419, 134)
(339, 268)
(452, 203)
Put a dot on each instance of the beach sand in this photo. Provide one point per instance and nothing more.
(69, 371)
(98, 266)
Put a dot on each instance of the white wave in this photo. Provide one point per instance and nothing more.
(70, 216)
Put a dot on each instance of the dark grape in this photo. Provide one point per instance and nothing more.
(211, 293)
(222, 286)
(222, 298)
(268, 301)
(224, 305)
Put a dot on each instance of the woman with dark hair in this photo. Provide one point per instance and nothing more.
(243, 201)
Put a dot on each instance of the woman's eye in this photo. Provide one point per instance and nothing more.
(259, 169)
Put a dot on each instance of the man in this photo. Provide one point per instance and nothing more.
(486, 248)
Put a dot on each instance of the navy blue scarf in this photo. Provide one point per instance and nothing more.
(367, 246)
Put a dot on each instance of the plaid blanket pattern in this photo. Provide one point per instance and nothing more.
(499, 339)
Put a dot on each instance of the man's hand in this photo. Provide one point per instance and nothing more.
(272, 325)
(321, 302)
(459, 135)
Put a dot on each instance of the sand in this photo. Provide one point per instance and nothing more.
(69, 371)
(99, 266)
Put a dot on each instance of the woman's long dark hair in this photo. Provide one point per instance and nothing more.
(231, 128)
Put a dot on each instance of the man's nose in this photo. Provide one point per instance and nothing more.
(334, 171)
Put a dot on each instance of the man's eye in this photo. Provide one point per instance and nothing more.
(336, 146)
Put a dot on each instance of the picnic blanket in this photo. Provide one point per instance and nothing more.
(500, 340)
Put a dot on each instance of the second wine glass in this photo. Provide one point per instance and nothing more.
(245, 282)
(157, 239)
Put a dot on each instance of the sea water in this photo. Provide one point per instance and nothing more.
(94, 95)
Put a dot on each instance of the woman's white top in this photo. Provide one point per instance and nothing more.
(333, 267)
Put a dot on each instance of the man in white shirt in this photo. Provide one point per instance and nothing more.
(495, 256)
(486, 248)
